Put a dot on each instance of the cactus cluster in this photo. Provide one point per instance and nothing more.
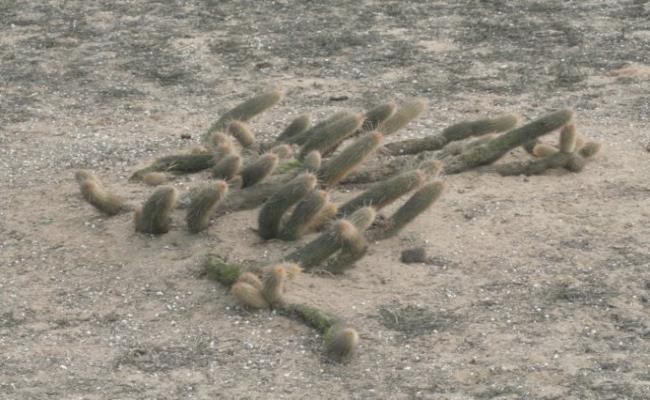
(291, 179)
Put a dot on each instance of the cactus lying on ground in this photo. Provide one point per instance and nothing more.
(456, 132)
(340, 341)
(471, 157)
(571, 154)
(95, 193)
(179, 163)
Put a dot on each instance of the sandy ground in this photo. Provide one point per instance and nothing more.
(538, 288)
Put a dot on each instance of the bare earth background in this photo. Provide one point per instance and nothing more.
(538, 288)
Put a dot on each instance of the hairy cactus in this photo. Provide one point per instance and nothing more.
(383, 193)
(180, 163)
(353, 247)
(202, 204)
(456, 132)
(589, 150)
(282, 150)
(321, 248)
(96, 194)
(296, 127)
(273, 284)
(568, 139)
(302, 137)
(312, 161)
(340, 235)
(242, 133)
(221, 144)
(416, 205)
(331, 135)
(259, 169)
(276, 206)
(352, 156)
(340, 343)
(497, 148)
(406, 113)
(227, 167)
(246, 110)
(463, 130)
(154, 216)
(248, 295)
(375, 116)
(304, 215)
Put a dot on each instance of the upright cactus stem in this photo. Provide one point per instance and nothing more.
(273, 284)
(296, 127)
(259, 169)
(340, 343)
(312, 161)
(242, 133)
(351, 157)
(317, 251)
(276, 206)
(383, 193)
(304, 215)
(331, 135)
(154, 216)
(416, 205)
(202, 204)
(375, 116)
(406, 113)
(362, 218)
(353, 247)
(248, 295)
(246, 110)
(344, 235)
(568, 138)
(497, 148)
(227, 167)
